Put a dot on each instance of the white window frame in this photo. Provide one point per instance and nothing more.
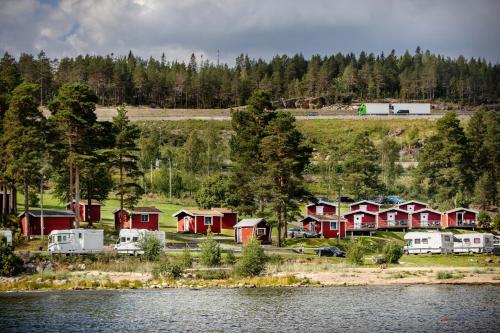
(320, 210)
(333, 223)
(142, 219)
(257, 230)
(205, 220)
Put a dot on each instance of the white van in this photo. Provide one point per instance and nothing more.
(7, 234)
(477, 242)
(129, 240)
(428, 242)
(76, 241)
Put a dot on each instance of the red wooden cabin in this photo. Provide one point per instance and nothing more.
(327, 226)
(412, 206)
(321, 208)
(199, 221)
(361, 220)
(94, 209)
(138, 218)
(365, 205)
(52, 220)
(229, 218)
(393, 218)
(459, 218)
(425, 218)
(257, 228)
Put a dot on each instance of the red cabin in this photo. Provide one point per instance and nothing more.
(257, 228)
(138, 218)
(361, 220)
(94, 210)
(322, 208)
(459, 218)
(229, 218)
(393, 218)
(365, 205)
(52, 220)
(412, 206)
(425, 218)
(328, 226)
(199, 221)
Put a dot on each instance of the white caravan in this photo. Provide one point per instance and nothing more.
(129, 240)
(428, 242)
(76, 241)
(477, 242)
(411, 108)
(8, 235)
(496, 241)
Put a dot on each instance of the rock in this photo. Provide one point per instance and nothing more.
(71, 267)
(378, 260)
(81, 267)
(48, 267)
(61, 282)
(488, 259)
(39, 280)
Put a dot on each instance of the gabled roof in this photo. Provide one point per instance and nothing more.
(360, 211)
(85, 202)
(223, 210)
(198, 212)
(49, 213)
(413, 201)
(322, 202)
(367, 201)
(461, 208)
(140, 210)
(324, 218)
(249, 222)
(426, 209)
(393, 209)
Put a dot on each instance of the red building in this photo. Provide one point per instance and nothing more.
(425, 218)
(393, 218)
(412, 206)
(229, 218)
(52, 220)
(365, 205)
(361, 220)
(138, 218)
(88, 212)
(327, 226)
(257, 228)
(321, 208)
(199, 221)
(459, 218)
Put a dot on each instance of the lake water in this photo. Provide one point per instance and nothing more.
(337, 309)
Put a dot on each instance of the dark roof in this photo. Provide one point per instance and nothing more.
(50, 213)
(139, 210)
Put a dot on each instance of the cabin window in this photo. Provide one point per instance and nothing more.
(447, 238)
(466, 240)
(135, 239)
(319, 210)
(425, 241)
(333, 225)
(363, 207)
(144, 218)
(208, 220)
(477, 240)
(417, 241)
(261, 231)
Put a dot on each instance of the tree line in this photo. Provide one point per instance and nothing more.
(203, 84)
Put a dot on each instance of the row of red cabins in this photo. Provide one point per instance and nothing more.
(367, 216)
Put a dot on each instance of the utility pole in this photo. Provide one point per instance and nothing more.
(170, 177)
(42, 224)
(217, 57)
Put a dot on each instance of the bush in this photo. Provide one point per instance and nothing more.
(252, 261)
(484, 220)
(355, 252)
(444, 275)
(230, 258)
(151, 247)
(210, 251)
(392, 252)
(186, 260)
(10, 264)
(168, 269)
(496, 222)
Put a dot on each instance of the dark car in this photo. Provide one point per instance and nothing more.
(330, 251)
(344, 199)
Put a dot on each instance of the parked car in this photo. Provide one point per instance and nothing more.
(344, 199)
(330, 251)
(301, 233)
(393, 200)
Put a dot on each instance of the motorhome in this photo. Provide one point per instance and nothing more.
(428, 242)
(8, 235)
(476, 242)
(76, 241)
(129, 241)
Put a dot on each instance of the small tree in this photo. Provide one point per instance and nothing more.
(355, 252)
(484, 220)
(230, 258)
(496, 222)
(151, 247)
(186, 260)
(252, 261)
(210, 251)
(10, 264)
(392, 253)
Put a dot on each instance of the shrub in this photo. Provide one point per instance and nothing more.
(443, 275)
(496, 222)
(186, 260)
(168, 269)
(355, 252)
(210, 251)
(230, 258)
(484, 220)
(252, 261)
(10, 264)
(392, 252)
(151, 247)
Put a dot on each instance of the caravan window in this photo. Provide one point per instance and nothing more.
(447, 238)
(425, 241)
(477, 240)
(59, 238)
(79, 235)
(417, 241)
(135, 239)
(409, 242)
(123, 239)
(466, 240)
(487, 240)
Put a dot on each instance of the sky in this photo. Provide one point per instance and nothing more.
(260, 28)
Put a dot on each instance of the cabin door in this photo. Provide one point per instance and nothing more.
(424, 220)
(186, 223)
(460, 218)
(239, 233)
(312, 226)
(357, 221)
(391, 219)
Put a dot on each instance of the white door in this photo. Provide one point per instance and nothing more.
(238, 235)
(391, 219)
(424, 220)
(186, 223)
(319, 210)
(357, 221)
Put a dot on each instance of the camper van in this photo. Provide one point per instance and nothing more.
(428, 242)
(129, 240)
(8, 235)
(477, 242)
(76, 241)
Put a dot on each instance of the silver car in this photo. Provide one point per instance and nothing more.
(301, 233)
